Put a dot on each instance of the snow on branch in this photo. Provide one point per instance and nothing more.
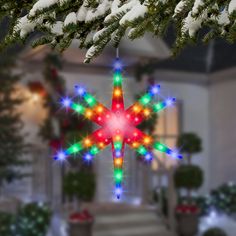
(137, 11)
(24, 26)
(232, 6)
(40, 5)
(97, 22)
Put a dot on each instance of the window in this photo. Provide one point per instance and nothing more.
(167, 130)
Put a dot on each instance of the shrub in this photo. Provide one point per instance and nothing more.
(215, 232)
(189, 177)
(32, 220)
(224, 198)
(6, 221)
(189, 143)
(80, 185)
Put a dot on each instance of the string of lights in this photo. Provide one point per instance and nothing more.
(118, 126)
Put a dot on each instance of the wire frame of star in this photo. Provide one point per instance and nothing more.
(117, 130)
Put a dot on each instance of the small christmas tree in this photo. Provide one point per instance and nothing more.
(12, 145)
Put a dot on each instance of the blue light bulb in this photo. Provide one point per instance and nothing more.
(169, 152)
(61, 156)
(175, 155)
(66, 102)
(170, 101)
(88, 157)
(148, 157)
(80, 90)
(117, 65)
(155, 89)
(118, 192)
(118, 153)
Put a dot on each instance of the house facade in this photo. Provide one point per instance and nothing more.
(205, 107)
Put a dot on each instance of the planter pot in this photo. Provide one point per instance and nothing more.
(80, 228)
(187, 224)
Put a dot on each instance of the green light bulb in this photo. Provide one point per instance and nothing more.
(144, 100)
(90, 100)
(157, 107)
(117, 145)
(75, 148)
(160, 147)
(78, 108)
(117, 79)
(94, 150)
(118, 175)
(142, 150)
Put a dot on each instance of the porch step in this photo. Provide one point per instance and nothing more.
(129, 222)
(137, 231)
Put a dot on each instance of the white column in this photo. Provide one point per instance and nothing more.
(172, 200)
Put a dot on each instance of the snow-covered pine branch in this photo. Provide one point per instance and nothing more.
(97, 22)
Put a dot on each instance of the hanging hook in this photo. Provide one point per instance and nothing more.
(117, 53)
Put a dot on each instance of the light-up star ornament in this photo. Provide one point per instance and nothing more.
(118, 126)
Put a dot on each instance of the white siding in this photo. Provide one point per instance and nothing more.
(223, 131)
(195, 118)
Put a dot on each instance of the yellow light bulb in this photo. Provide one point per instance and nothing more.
(117, 92)
(101, 145)
(117, 138)
(88, 113)
(147, 112)
(99, 109)
(135, 144)
(118, 161)
(136, 108)
(87, 142)
(147, 140)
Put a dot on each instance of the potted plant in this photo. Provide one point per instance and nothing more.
(6, 221)
(215, 232)
(33, 219)
(80, 185)
(188, 177)
(227, 203)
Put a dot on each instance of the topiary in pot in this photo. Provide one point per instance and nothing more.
(188, 177)
(215, 232)
(189, 143)
(80, 185)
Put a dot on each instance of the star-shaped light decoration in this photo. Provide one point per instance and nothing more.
(118, 126)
